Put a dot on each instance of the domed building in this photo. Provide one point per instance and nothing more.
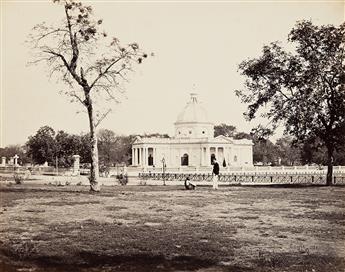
(193, 146)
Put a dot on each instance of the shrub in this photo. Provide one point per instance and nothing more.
(123, 179)
(18, 178)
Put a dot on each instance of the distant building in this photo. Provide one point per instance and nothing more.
(194, 144)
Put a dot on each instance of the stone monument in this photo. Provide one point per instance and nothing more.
(15, 158)
(76, 165)
(3, 161)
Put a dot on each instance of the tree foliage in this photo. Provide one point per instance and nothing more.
(107, 146)
(225, 130)
(67, 145)
(42, 146)
(313, 152)
(287, 152)
(303, 89)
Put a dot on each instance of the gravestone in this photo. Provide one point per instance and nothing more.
(15, 158)
(76, 165)
(3, 161)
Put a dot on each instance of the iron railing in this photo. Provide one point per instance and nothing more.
(251, 178)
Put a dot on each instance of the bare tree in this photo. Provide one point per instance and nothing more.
(91, 64)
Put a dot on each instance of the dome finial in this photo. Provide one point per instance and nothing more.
(194, 97)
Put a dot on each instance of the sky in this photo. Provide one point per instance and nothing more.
(197, 47)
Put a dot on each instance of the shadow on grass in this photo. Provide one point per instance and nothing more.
(85, 261)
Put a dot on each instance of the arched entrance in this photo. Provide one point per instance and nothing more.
(213, 156)
(150, 156)
(184, 160)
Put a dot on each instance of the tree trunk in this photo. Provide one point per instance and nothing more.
(329, 166)
(94, 171)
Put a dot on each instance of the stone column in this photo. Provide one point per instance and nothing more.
(219, 159)
(154, 156)
(133, 152)
(201, 159)
(3, 161)
(143, 157)
(140, 155)
(76, 165)
(208, 156)
(146, 155)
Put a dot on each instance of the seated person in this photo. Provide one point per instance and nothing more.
(189, 185)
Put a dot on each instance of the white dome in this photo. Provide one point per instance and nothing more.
(193, 112)
(193, 121)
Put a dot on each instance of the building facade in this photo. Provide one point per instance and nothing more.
(193, 145)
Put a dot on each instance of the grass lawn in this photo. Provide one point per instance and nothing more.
(166, 228)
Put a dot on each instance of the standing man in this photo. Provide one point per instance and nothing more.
(215, 174)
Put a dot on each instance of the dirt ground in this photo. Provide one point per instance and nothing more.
(166, 228)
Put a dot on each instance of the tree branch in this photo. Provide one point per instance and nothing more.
(106, 70)
(102, 117)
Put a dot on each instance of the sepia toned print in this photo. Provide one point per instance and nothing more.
(172, 136)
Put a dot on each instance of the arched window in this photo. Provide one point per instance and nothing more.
(212, 158)
(235, 158)
(150, 160)
(184, 160)
(150, 156)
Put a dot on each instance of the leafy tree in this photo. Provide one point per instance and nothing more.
(242, 135)
(107, 146)
(312, 151)
(42, 146)
(287, 152)
(264, 150)
(225, 130)
(304, 89)
(67, 146)
(124, 149)
(230, 131)
(84, 148)
(91, 64)
(339, 156)
(155, 135)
